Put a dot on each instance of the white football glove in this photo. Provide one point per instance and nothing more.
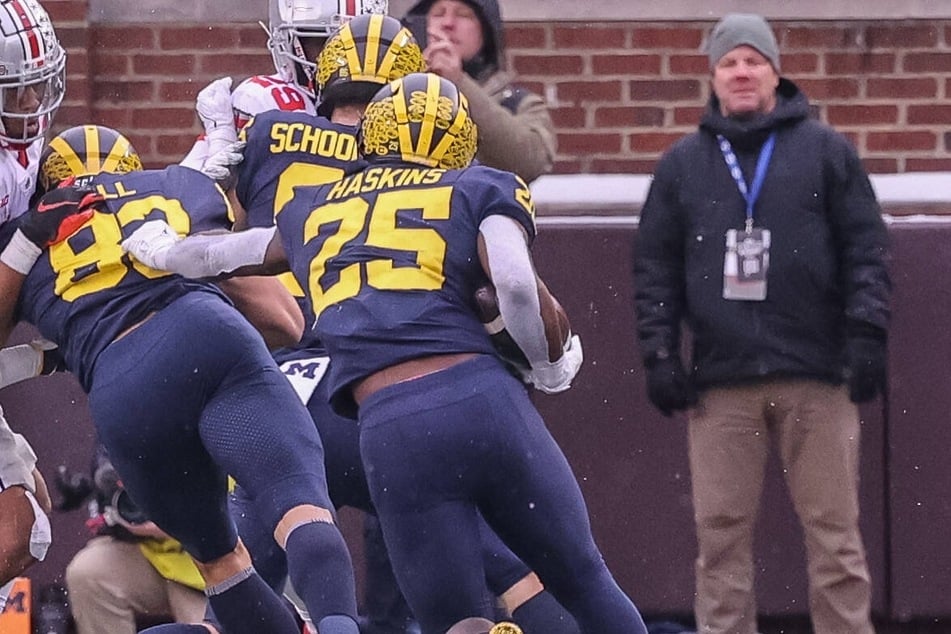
(214, 110)
(552, 378)
(200, 255)
(219, 166)
(150, 243)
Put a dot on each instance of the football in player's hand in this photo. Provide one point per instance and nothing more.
(487, 305)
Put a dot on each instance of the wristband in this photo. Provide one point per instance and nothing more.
(21, 253)
(41, 534)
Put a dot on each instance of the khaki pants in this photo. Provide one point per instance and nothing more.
(816, 430)
(110, 583)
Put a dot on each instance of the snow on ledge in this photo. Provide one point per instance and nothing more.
(625, 193)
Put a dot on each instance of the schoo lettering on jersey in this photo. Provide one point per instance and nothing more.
(301, 137)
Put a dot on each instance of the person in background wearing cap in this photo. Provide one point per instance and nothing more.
(463, 43)
(762, 232)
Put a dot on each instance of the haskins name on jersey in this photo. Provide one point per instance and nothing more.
(384, 178)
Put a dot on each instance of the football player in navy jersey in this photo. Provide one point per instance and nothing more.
(182, 389)
(288, 149)
(390, 258)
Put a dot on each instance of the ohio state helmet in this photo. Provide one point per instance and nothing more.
(363, 55)
(85, 150)
(291, 21)
(421, 118)
(32, 71)
(260, 93)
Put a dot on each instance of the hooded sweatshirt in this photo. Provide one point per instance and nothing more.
(516, 132)
(827, 273)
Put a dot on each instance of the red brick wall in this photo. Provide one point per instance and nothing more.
(620, 92)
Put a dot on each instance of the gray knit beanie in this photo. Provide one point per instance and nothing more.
(737, 29)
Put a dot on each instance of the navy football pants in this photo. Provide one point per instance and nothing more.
(191, 396)
(442, 448)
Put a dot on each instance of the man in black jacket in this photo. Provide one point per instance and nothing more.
(761, 231)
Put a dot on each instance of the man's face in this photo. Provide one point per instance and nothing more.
(458, 23)
(745, 83)
(20, 100)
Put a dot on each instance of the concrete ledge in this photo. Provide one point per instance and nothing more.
(596, 195)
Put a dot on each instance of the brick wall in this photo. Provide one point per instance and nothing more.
(620, 92)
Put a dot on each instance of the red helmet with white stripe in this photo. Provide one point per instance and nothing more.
(299, 28)
(32, 71)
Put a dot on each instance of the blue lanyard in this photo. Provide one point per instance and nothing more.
(749, 195)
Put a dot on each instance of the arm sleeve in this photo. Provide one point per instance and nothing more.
(199, 255)
(523, 141)
(196, 155)
(213, 254)
(513, 276)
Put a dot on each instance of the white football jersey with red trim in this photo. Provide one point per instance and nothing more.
(18, 170)
(262, 93)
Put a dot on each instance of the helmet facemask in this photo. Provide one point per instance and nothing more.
(32, 72)
(299, 28)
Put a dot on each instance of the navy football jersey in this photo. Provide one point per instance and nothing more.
(288, 149)
(390, 262)
(83, 292)
(285, 150)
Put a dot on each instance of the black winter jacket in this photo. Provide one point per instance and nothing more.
(827, 270)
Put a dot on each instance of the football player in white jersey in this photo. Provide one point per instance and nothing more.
(32, 84)
(297, 31)
(224, 113)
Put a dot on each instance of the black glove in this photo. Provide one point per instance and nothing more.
(866, 354)
(668, 386)
(57, 215)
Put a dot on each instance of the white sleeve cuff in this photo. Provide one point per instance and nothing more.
(20, 253)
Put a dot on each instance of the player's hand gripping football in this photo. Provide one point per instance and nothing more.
(550, 377)
(556, 376)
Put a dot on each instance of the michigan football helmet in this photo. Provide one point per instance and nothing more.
(32, 71)
(292, 22)
(421, 118)
(85, 150)
(365, 53)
